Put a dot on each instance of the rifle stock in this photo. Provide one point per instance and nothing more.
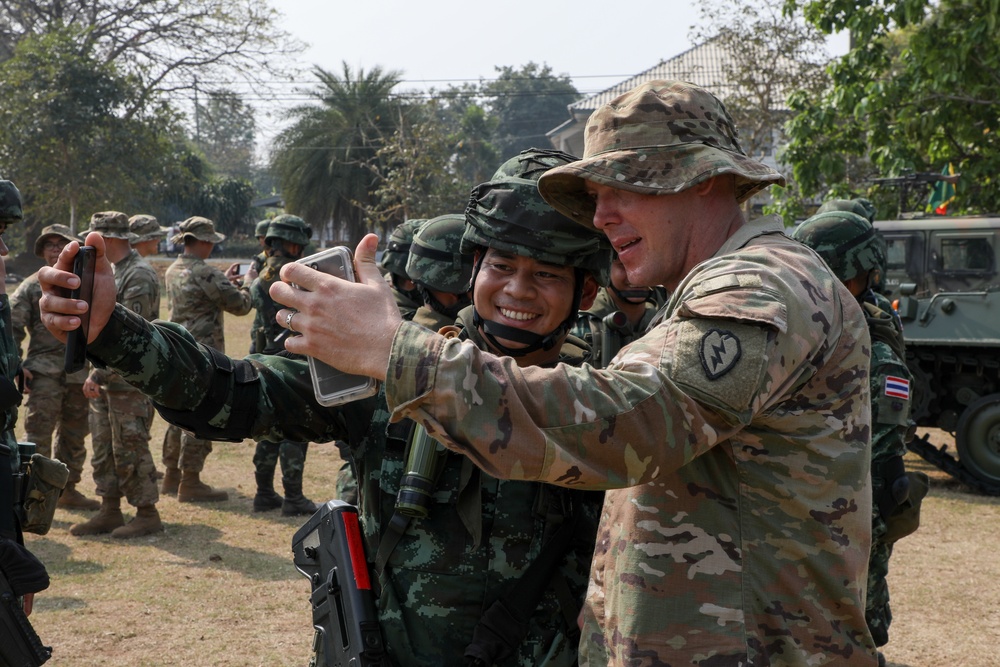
(329, 550)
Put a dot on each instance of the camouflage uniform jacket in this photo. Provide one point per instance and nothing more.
(139, 291)
(591, 328)
(480, 535)
(429, 318)
(890, 382)
(46, 355)
(197, 294)
(734, 440)
(265, 329)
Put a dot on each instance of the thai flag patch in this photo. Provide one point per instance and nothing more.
(897, 387)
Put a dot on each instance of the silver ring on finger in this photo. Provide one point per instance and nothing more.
(288, 321)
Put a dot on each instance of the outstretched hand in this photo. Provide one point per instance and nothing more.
(61, 314)
(350, 326)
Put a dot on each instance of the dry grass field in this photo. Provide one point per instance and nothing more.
(218, 587)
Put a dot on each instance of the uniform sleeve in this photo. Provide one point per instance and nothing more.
(164, 361)
(227, 296)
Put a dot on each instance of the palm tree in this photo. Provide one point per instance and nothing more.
(324, 160)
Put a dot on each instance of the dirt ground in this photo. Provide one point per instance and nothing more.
(218, 588)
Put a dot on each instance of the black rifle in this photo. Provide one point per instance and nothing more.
(329, 550)
(910, 180)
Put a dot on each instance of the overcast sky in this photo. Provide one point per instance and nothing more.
(439, 42)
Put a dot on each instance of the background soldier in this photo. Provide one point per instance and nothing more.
(393, 264)
(849, 244)
(440, 271)
(198, 294)
(286, 236)
(148, 234)
(120, 415)
(55, 399)
(260, 232)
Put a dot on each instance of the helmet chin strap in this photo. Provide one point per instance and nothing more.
(494, 330)
(435, 304)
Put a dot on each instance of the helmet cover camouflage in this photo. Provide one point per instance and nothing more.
(110, 225)
(10, 203)
(199, 228)
(509, 214)
(260, 230)
(289, 228)
(146, 228)
(662, 137)
(532, 163)
(59, 231)
(397, 249)
(863, 207)
(847, 242)
(435, 260)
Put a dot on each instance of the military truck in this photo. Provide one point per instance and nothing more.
(942, 275)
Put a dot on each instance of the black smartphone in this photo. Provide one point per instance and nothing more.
(332, 386)
(76, 340)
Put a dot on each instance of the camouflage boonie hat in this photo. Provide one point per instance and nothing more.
(10, 203)
(146, 227)
(509, 214)
(435, 260)
(847, 242)
(261, 228)
(110, 225)
(863, 207)
(290, 228)
(61, 231)
(397, 249)
(662, 137)
(199, 228)
(532, 163)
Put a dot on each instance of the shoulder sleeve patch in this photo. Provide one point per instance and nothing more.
(720, 363)
(736, 302)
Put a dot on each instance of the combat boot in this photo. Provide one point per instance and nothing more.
(71, 499)
(267, 498)
(171, 480)
(106, 520)
(295, 503)
(146, 522)
(193, 490)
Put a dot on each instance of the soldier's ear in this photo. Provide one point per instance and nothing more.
(589, 293)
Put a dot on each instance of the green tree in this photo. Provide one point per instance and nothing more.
(918, 91)
(527, 103)
(225, 132)
(327, 160)
(65, 136)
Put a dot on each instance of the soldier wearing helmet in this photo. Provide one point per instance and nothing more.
(286, 237)
(393, 264)
(440, 271)
(260, 233)
(480, 535)
(850, 245)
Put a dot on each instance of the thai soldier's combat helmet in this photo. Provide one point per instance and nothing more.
(847, 242)
(260, 230)
(289, 228)
(10, 203)
(509, 214)
(435, 260)
(863, 207)
(397, 250)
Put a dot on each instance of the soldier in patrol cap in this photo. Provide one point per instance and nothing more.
(849, 244)
(478, 547)
(286, 237)
(120, 415)
(55, 400)
(197, 295)
(440, 271)
(732, 437)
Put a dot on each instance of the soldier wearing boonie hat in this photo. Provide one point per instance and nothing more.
(120, 415)
(52, 231)
(199, 228)
(149, 233)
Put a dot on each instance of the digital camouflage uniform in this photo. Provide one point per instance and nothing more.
(440, 572)
(56, 400)
(849, 244)
(197, 295)
(121, 417)
(268, 340)
(732, 438)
